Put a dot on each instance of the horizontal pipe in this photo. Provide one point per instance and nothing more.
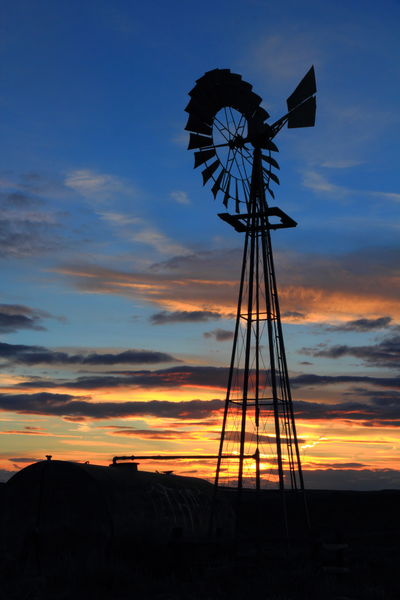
(178, 457)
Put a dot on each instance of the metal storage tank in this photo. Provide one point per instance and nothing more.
(68, 520)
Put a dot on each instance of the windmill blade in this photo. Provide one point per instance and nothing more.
(260, 115)
(215, 77)
(199, 141)
(271, 192)
(271, 161)
(201, 106)
(217, 184)
(207, 173)
(197, 124)
(303, 115)
(272, 176)
(269, 145)
(202, 156)
(306, 88)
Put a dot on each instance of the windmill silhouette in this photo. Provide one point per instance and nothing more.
(234, 145)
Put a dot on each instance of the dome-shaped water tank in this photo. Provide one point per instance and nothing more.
(68, 520)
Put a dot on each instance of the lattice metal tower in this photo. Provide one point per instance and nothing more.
(258, 444)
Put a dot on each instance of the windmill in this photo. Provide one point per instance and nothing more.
(234, 146)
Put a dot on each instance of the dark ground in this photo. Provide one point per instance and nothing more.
(351, 552)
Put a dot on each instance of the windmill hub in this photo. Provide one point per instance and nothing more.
(237, 142)
(260, 135)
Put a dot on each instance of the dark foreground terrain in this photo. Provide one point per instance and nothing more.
(350, 551)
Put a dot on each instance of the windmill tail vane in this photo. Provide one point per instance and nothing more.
(234, 146)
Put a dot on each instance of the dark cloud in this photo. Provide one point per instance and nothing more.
(128, 357)
(18, 199)
(309, 379)
(339, 465)
(31, 222)
(183, 316)
(361, 325)
(27, 240)
(161, 378)
(234, 436)
(378, 410)
(24, 459)
(220, 335)
(293, 314)
(383, 354)
(380, 397)
(26, 228)
(25, 431)
(154, 434)
(65, 405)
(381, 412)
(386, 402)
(16, 316)
(35, 355)
(195, 376)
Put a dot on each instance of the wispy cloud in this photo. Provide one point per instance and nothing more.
(119, 219)
(97, 186)
(389, 195)
(137, 229)
(285, 58)
(181, 139)
(341, 163)
(151, 236)
(180, 197)
(317, 182)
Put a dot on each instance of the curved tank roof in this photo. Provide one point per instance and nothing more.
(81, 514)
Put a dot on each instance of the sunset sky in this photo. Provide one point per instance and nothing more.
(118, 279)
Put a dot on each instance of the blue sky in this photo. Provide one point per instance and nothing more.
(106, 224)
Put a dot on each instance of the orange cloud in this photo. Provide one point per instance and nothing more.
(318, 288)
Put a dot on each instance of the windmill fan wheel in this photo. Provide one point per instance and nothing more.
(226, 123)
